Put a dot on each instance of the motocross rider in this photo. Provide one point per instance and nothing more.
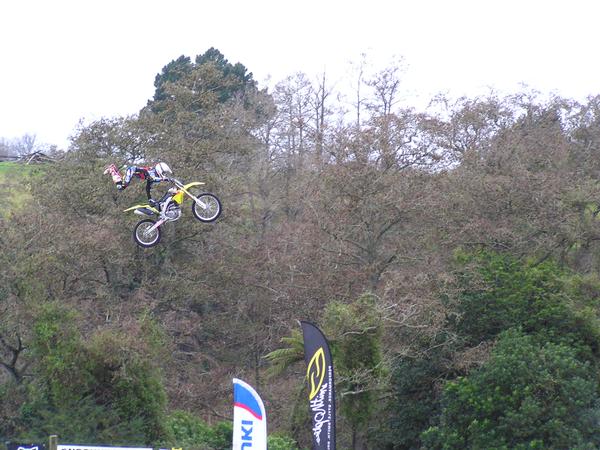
(152, 175)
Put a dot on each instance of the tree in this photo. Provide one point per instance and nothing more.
(527, 396)
(355, 331)
(241, 79)
(467, 125)
(322, 112)
(20, 146)
(171, 73)
(108, 387)
(233, 79)
(294, 98)
(496, 292)
(519, 188)
(26, 144)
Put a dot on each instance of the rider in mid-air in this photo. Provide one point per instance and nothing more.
(152, 175)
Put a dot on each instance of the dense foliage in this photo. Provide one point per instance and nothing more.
(451, 257)
(528, 395)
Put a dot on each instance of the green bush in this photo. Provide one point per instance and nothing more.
(190, 432)
(79, 420)
(493, 295)
(496, 292)
(104, 388)
(281, 442)
(527, 396)
(415, 404)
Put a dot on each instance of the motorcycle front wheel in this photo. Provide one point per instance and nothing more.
(143, 236)
(207, 209)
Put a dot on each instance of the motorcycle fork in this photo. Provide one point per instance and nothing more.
(198, 202)
(156, 225)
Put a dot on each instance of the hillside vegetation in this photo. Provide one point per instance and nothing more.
(450, 256)
(14, 185)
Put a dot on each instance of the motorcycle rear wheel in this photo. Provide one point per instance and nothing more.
(143, 237)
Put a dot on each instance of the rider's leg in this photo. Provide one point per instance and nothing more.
(114, 173)
(165, 203)
(128, 175)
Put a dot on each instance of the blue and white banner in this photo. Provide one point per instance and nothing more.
(249, 418)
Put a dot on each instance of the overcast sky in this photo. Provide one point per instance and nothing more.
(66, 60)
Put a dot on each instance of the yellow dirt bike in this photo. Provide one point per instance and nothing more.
(206, 207)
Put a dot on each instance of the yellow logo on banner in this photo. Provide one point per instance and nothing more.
(315, 372)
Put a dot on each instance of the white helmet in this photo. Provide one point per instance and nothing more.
(162, 169)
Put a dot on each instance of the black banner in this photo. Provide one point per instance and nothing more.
(13, 446)
(321, 392)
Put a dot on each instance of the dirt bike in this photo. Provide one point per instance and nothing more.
(206, 207)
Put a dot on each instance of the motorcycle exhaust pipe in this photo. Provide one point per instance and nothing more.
(142, 212)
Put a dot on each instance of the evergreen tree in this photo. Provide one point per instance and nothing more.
(528, 395)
